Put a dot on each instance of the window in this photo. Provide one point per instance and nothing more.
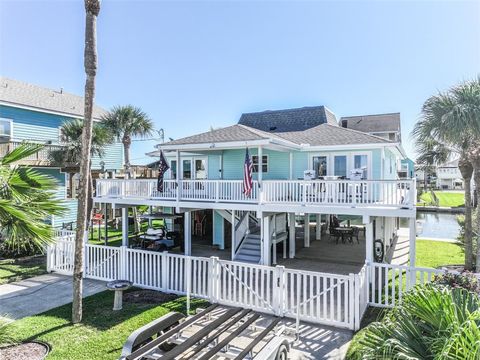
(173, 169)
(361, 162)
(264, 163)
(5, 127)
(187, 169)
(200, 169)
(340, 165)
(320, 165)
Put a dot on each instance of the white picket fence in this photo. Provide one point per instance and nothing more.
(310, 296)
(331, 299)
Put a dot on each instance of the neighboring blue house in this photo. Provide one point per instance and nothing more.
(36, 114)
(304, 164)
(407, 169)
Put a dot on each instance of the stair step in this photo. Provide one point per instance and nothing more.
(248, 245)
(253, 236)
(254, 252)
(248, 258)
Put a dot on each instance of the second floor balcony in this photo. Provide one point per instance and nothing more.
(40, 158)
(400, 194)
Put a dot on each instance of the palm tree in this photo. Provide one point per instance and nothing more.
(442, 129)
(27, 199)
(70, 154)
(431, 322)
(92, 8)
(128, 122)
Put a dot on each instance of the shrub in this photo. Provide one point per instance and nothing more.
(432, 322)
(465, 280)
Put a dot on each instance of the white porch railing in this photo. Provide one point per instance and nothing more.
(42, 155)
(387, 193)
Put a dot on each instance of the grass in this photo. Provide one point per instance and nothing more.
(17, 269)
(115, 235)
(445, 199)
(433, 254)
(101, 334)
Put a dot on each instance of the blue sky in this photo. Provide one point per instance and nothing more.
(193, 65)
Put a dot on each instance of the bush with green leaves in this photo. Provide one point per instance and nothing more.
(432, 322)
(6, 331)
(465, 280)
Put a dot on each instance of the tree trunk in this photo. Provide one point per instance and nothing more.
(92, 8)
(476, 229)
(466, 170)
(126, 153)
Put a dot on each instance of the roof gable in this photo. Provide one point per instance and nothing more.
(279, 121)
(19, 93)
(372, 123)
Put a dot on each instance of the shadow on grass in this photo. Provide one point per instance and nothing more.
(98, 313)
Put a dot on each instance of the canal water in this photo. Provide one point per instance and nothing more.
(437, 225)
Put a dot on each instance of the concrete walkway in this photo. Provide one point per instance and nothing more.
(41, 293)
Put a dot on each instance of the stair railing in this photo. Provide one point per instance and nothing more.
(242, 229)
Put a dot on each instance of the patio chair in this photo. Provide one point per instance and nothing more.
(356, 231)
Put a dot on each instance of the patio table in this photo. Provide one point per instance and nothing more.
(346, 233)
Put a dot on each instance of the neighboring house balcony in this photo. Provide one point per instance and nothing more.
(40, 158)
(272, 195)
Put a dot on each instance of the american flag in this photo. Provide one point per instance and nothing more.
(247, 175)
(162, 168)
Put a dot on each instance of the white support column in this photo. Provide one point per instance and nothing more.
(318, 229)
(291, 166)
(179, 175)
(124, 226)
(266, 241)
(369, 241)
(234, 245)
(412, 240)
(291, 232)
(306, 240)
(187, 231)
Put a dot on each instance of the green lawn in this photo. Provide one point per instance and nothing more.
(18, 269)
(115, 235)
(445, 199)
(102, 333)
(432, 254)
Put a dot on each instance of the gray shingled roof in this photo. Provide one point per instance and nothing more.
(327, 135)
(226, 134)
(24, 94)
(277, 121)
(320, 135)
(372, 123)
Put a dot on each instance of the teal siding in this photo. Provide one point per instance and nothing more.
(70, 213)
(33, 125)
(59, 177)
(376, 164)
(113, 158)
(218, 238)
(278, 164)
(300, 164)
(213, 164)
(39, 126)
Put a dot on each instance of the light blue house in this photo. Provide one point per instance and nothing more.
(36, 114)
(305, 166)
